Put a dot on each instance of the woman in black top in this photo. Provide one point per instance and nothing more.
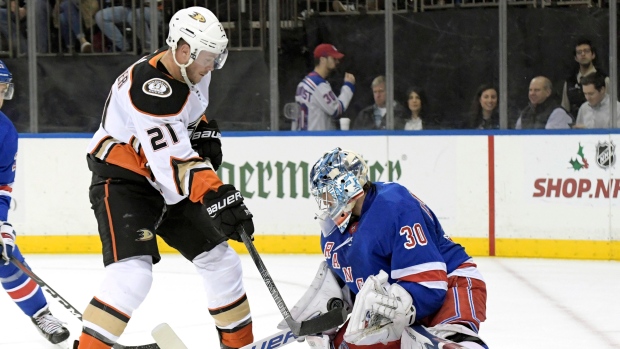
(484, 114)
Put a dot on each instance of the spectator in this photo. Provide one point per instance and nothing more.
(543, 112)
(320, 108)
(572, 95)
(596, 111)
(416, 101)
(109, 18)
(373, 116)
(483, 113)
(68, 13)
(17, 14)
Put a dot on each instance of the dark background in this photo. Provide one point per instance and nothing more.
(448, 53)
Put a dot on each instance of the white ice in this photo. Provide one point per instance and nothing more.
(532, 303)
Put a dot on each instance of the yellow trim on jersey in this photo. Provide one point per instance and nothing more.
(301, 244)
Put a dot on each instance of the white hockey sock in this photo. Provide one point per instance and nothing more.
(127, 283)
(221, 272)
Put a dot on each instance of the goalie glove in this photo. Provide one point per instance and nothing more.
(206, 142)
(7, 241)
(380, 313)
(324, 294)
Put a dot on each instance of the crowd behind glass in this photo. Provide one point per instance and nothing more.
(100, 27)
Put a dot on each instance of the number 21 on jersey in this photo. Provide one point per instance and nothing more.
(415, 236)
(158, 139)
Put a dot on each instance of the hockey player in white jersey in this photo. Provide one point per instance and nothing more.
(153, 162)
(320, 108)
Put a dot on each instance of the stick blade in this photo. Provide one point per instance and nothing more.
(324, 322)
(166, 338)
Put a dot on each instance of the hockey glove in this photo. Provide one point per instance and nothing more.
(379, 314)
(206, 142)
(226, 208)
(7, 241)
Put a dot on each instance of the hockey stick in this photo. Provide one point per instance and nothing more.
(68, 305)
(276, 340)
(323, 322)
(166, 338)
(47, 288)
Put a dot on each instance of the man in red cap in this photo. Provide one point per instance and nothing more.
(320, 108)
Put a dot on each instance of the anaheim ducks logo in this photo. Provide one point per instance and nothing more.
(157, 87)
(145, 235)
(197, 16)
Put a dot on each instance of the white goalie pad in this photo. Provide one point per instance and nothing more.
(411, 339)
(323, 294)
(319, 342)
(447, 330)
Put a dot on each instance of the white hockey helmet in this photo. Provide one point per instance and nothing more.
(337, 180)
(201, 30)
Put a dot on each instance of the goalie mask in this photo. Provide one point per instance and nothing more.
(337, 181)
(6, 86)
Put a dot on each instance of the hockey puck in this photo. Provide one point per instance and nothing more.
(335, 303)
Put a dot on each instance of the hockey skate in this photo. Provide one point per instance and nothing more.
(50, 327)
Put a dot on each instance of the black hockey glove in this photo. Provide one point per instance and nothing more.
(228, 211)
(206, 142)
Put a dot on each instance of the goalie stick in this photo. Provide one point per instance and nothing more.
(166, 338)
(323, 322)
(68, 305)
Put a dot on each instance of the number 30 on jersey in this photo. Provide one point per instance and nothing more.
(415, 236)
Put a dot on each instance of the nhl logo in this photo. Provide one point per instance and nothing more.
(605, 154)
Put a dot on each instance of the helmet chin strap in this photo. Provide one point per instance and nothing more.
(183, 70)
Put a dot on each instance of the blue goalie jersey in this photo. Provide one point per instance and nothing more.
(399, 234)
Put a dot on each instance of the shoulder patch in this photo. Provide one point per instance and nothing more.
(155, 93)
(157, 87)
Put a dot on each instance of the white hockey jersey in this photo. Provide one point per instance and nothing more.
(146, 126)
(320, 108)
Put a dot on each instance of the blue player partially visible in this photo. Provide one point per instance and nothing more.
(24, 291)
(388, 258)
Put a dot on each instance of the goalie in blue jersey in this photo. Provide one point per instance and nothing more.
(388, 258)
(24, 291)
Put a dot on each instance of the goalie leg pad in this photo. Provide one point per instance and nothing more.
(319, 342)
(324, 294)
(411, 339)
(456, 333)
